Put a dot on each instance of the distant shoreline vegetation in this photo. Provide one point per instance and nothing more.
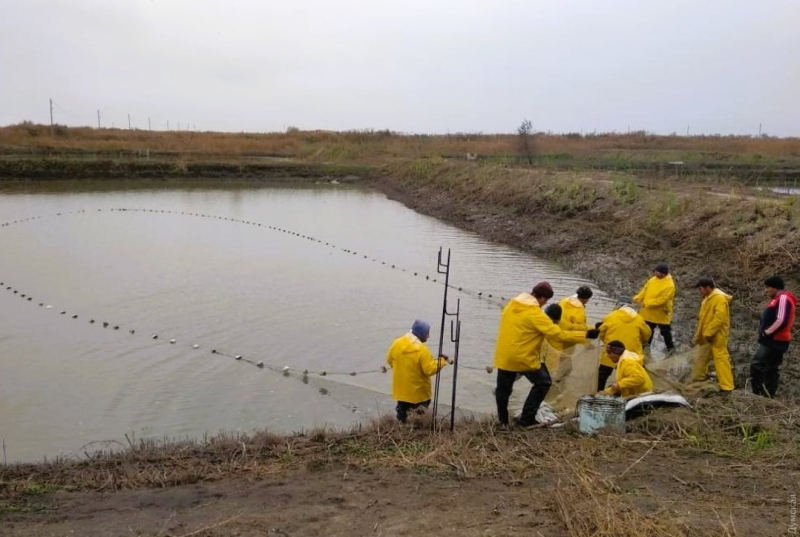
(144, 153)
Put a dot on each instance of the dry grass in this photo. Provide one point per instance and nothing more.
(590, 489)
(588, 504)
(375, 146)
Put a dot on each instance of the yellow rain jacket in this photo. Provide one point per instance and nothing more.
(632, 378)
(573, 318)
(656, 298)
(713, 328)
(523, 329)
(412, 366)
(627, 326)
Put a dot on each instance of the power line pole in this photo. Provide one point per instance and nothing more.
(129, 122)
(167, 124)
(52, 128)
(98, 119)
(148, 125)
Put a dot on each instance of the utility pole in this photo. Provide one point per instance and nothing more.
(148, 125)
(759, 130)
(98, 119)
(129, 122)
(167, 124)
(52, 128)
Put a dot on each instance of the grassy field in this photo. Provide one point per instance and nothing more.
(746, 158)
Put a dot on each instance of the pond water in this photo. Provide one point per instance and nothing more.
(319, 279)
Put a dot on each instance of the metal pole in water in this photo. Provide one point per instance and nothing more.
(455, 338)
(441, 268)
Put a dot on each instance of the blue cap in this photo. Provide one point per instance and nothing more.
(420, 328)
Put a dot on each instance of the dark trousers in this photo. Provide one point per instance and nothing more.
(403, 409)
(505, 385)
(602, 376)
(666, 333)
(765, 367)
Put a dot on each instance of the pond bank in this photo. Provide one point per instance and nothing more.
(57, 169)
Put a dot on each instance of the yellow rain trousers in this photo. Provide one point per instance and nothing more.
(523, 329)
(713, 328)
(573, 318)
(632, 378)
(656, 298)
(627, 326)
(412, 366)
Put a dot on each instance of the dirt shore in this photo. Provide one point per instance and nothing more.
(725, 468)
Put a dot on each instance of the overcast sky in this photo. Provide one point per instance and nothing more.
(424, 66)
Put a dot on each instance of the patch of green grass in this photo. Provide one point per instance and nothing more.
(756, 439)
(38, 489)
(626, 190)
(11, 508)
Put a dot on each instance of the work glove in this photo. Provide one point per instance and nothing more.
(592, 334)
(598, 324)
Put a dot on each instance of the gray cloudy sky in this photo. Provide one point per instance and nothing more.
(430, 66)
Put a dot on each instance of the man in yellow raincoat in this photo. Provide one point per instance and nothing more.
(713, 328)
(632, 378)
(626, 325)
(412, 366)
(573, 314)
(523, 329)
(657, 297)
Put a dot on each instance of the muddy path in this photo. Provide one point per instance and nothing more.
(677, 472)
(394, 501)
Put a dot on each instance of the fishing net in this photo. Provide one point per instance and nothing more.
(573, 372)
(671, 371)
(675, 372)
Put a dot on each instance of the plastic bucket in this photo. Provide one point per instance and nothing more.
(596, 412)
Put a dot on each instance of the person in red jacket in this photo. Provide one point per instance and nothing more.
(774, 336)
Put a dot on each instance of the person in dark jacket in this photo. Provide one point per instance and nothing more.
(774, 335)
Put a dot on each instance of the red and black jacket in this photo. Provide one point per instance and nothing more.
(778, 318)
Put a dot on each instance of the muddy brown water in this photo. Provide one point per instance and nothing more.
(319, 279)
